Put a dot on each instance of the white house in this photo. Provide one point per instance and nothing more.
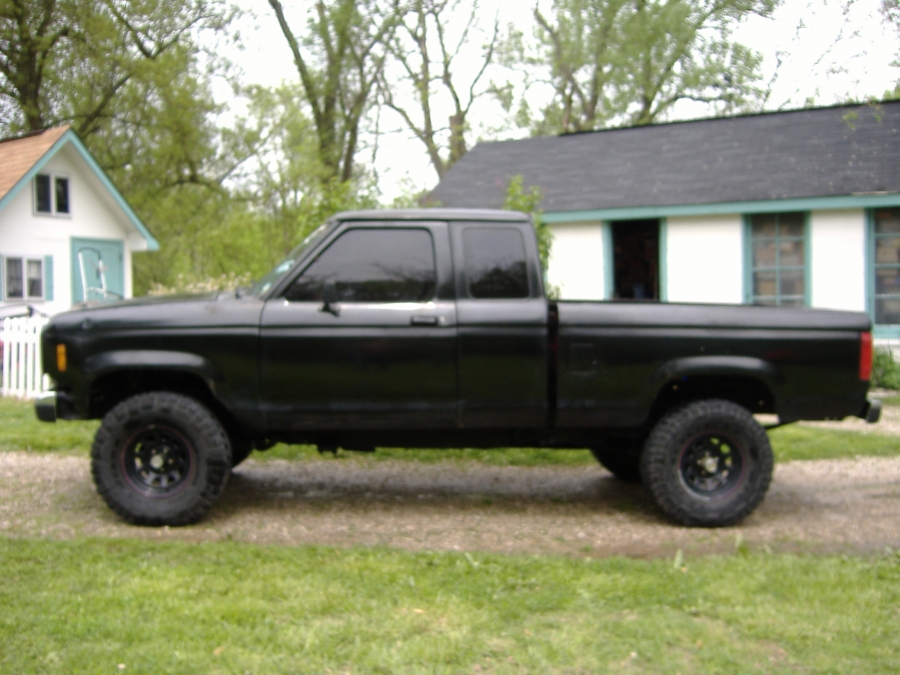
(66, 233)
(794, 208)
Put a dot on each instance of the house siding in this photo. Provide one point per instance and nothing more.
(838, 259)
(577, 261)
(704, 261)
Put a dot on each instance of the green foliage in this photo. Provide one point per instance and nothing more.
(612, 61)
(518, 198)
(885, 370)
(148, 607)
(339, 57)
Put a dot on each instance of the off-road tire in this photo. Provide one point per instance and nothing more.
(160, 459)
(622, 462)
(707, 464)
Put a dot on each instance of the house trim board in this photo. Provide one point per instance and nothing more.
(71, 137)
(767, 206)
(608, 262)
(663, 266)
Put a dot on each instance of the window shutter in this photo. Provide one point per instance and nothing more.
(48, 277)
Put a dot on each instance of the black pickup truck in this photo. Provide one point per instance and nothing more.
(430, 328)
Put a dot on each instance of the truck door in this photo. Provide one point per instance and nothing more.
(502, 324)
(364, 337)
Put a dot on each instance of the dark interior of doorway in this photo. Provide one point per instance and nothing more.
(636, 259)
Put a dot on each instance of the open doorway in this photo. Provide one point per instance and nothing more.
(636, 259)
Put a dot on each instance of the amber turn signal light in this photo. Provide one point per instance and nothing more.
(61, 360)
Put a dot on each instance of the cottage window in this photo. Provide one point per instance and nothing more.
(24, 278)
(777, 259)
(884, 301)
(51, 194)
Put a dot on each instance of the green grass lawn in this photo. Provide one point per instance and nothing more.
(88, 606)
(21, 430)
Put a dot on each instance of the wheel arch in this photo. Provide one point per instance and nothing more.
(114, 385)
(749, 382)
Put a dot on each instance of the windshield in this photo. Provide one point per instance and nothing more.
(279, 270)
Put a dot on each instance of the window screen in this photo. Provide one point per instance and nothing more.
(34, 279)
(372, 265)
(778, 264)
(62, 195)
(495, 262)
(887, 266)
(42, 193)
(14, 288)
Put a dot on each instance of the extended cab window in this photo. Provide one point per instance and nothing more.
(495, 262)
(372, 265)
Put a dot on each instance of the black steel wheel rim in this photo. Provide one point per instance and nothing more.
(158, 461)
(712, 464)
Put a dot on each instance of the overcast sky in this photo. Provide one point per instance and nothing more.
(828, 54)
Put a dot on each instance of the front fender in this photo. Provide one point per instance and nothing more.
(151, 359)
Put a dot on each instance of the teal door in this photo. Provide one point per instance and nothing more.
(98, 270)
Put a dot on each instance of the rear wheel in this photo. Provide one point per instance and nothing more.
(708, 463)
(160, 459)
(622, 462)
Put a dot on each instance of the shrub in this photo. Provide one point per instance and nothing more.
(885, 370)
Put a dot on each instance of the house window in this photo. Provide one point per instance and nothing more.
(777, 259)
(884, 303)
(24, 278)
(51, 194)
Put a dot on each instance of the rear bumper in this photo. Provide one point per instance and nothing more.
(45, 407)
(871, 411)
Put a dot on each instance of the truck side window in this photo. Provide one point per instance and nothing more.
(495, 262)
(372, 265)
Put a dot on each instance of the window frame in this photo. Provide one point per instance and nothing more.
(748, 258)
(54, 211)
(25, 260)
(879, 330)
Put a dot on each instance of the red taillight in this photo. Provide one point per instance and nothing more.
(865, 356)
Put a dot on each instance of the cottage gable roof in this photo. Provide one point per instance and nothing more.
(23, 157)
(18, 155)
(813, 153)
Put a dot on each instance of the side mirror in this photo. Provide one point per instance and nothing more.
(330, 298)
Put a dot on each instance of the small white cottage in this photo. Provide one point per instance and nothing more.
(797, 208)
(66, 233)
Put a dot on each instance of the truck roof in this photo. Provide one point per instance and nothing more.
(432, 214)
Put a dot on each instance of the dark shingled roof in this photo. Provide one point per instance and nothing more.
(820, 152)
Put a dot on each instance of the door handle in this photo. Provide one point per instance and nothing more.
(424, 321)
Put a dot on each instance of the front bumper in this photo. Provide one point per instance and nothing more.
(45, 407)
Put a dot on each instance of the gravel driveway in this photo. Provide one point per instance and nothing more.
(850, 505)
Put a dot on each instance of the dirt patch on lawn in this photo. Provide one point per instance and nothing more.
(847, 505)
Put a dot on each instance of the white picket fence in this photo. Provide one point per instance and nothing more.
(22, 373)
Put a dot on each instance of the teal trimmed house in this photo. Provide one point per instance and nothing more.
(66, 233)
(797, 208)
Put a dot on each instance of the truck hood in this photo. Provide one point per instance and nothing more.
(207, 310)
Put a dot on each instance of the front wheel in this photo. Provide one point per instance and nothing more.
(160, 459)
(708, 463)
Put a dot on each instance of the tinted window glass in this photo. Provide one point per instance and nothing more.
(42, 193)
(495, 263)
(370, 265)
